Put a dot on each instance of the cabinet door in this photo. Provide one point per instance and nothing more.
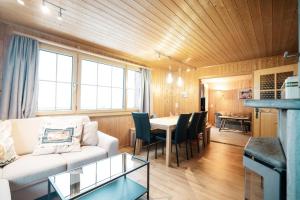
(265, 123)
(267, 85)
(268, 123)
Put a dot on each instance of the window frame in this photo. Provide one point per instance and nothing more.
(76, 83)
(57, 50)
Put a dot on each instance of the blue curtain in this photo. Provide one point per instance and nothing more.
(20, 83)
(145, 91)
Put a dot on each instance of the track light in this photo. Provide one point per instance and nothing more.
(45, 8)
(21, 2)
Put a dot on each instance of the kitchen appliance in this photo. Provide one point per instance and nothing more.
(291, 88)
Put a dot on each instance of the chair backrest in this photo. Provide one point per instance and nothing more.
(202, 122)
(181, 128)
(194, 125)
(142, 126)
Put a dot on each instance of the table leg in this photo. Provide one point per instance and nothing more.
(49, 190)
(208, 135)
(168, 146)
(221, 125)
(138, 146)
(148, 180)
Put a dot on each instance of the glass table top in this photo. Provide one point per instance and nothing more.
(77, 182)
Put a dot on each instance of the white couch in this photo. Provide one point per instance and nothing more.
(28, 175)
(4, 190)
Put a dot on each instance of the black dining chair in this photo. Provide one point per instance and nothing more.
(179, 135)
(193, 131)
(144, 133)
(201, 127)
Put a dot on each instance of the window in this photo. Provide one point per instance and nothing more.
(133, 89)
(102, 86)
(55, 81)
(90, 85)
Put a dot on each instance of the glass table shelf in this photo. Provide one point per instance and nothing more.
(101, 179)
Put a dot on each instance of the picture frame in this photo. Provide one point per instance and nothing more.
(245, 93)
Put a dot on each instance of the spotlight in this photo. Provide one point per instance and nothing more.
(21, 2)
(45, 8)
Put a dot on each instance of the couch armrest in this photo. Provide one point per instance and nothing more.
(109, 143)
(4, 190)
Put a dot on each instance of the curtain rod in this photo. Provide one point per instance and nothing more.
(79, 50)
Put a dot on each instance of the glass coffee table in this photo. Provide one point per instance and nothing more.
(109, 178)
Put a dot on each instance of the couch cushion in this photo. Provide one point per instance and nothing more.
(30, 169)
(88, 154)
(25, 132)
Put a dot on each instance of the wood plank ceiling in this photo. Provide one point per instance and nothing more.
(199, 33)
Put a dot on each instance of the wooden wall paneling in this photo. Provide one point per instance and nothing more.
(117, 126)
(226, 99)
(243, 67)
(185, 99)
(207, 33)
(162, 93)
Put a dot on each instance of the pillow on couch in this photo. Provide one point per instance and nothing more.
(59, 136)
(7, 149)
(89, 135)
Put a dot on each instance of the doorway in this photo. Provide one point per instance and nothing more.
(224, 103)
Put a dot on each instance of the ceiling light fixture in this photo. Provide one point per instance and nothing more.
(169, 76)
(59, 17)
(21, 2)
(179, 79)
(45, 8)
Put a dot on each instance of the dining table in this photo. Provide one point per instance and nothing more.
(169, 124)
(240, 119)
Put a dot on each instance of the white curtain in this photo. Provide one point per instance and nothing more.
(145, 91)
(19, 94)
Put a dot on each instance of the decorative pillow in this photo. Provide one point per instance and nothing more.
(59, 136)
(89, 135)
(7, 149)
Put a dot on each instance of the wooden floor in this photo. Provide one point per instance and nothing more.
(217, 173)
